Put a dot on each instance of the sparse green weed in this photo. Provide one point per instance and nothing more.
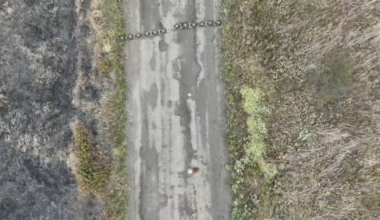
(256, 146)
(109, 21)
(94, 166)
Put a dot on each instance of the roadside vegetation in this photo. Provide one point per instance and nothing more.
(107, 178)
(110, 25)
(94, 169)
(303, 87)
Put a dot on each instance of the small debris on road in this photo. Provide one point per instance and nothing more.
(192, 171)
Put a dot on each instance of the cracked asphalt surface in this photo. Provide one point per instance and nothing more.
(176, 109)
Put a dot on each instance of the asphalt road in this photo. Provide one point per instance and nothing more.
(176, 117)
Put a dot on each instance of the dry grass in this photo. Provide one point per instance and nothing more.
(3, 100)
(334, 80)
(318, 61)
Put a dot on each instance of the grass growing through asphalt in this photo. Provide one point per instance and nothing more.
(312, 155)
(108, 19)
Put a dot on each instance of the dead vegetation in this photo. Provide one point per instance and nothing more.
(319, 63)
(42, 43)
(334, 80)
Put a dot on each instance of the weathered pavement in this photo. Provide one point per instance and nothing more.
(176, 114)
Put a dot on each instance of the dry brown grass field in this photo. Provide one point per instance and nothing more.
(314, 67)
